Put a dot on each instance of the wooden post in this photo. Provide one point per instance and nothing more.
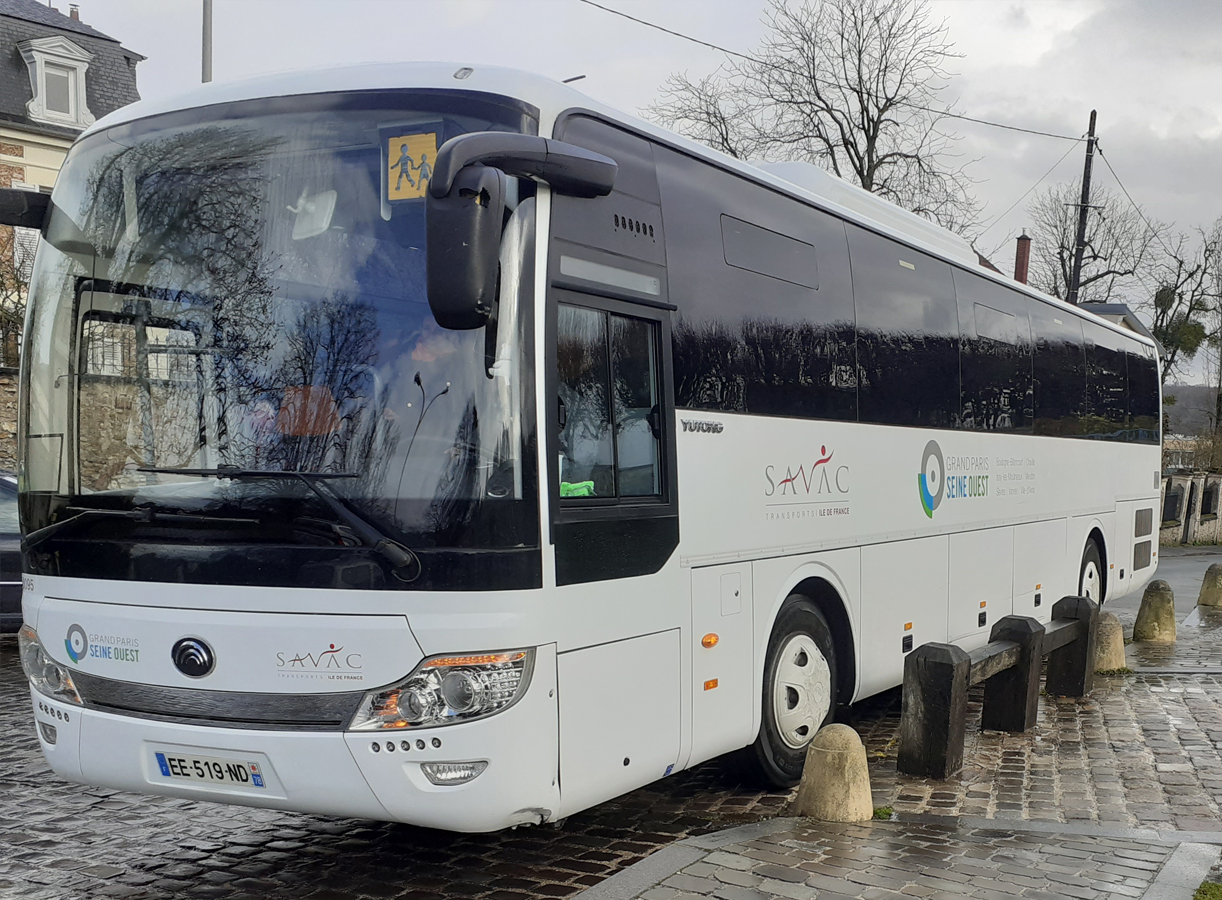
(936, 680)
(1012, 696)
(1071, 668)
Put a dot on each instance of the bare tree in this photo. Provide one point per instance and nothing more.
(1184, 303)
(16, 260)
(1121, 250)
(851, 85)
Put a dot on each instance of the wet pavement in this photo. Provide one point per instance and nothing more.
(1137, 761)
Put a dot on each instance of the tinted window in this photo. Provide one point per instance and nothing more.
(1144, 387)
(995, 356)
(1107, 383)
(907, 334)
(609, 408)
(765, 252)
(1060, 370)
(746, 341)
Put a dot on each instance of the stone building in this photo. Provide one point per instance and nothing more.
(57, 76)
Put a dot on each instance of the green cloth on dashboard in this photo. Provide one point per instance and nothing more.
(577, 489)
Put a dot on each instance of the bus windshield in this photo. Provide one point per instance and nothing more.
(241, 289)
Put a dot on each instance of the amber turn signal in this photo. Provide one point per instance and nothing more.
(709, 640)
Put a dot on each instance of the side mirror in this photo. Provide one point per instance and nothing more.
(568, 169)
(463, 247)
(466, 209)
(25, 209)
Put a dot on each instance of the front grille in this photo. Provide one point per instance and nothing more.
(221, 709)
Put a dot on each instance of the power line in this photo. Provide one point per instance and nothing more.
(1024, 196)
(749, 58)
(1137, 209)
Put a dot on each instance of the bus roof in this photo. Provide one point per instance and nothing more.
(552, 99)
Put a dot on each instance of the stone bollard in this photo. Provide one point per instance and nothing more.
(1109, 644)
(1156, 618)
(1211, 587)
(835, 778)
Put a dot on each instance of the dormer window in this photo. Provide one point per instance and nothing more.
(57, 79)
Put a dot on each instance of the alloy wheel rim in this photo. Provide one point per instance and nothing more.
(802, 691)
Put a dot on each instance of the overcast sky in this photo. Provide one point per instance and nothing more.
(1152, 69)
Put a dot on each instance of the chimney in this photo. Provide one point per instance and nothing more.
(1021, 258)
(74, 11)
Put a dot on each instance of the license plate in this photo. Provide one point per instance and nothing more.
(209, 770)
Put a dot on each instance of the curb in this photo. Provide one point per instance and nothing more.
(1183, 873)
(657, 867)
(1196, 852)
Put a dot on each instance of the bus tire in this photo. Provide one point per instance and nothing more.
(799, 693)
(1091, 576)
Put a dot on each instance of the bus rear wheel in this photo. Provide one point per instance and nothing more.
(1090, 578)
(799, 694)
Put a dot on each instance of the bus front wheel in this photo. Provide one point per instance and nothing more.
(1090, 579)
(799, 692)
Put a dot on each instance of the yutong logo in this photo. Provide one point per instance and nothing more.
(966, 478)
(817, 483)
(333, 663)
(702, 426)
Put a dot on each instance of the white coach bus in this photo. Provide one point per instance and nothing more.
(431, 443)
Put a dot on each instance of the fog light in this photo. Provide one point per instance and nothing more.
(453, 773)
(49, 735)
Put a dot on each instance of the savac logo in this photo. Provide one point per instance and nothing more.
(814, 478)
(332, 659)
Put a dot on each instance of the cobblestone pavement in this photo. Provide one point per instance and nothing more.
(1199, 645)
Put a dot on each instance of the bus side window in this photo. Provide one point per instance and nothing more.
(1107, 383)
(1060, 371)
(995, 356)
(907, 334)
(609, 405)
(1144, 391)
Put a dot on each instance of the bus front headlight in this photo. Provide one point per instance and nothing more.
(47, 676)
(446, 690)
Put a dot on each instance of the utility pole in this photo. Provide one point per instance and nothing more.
(1083, 207)
(206, 74)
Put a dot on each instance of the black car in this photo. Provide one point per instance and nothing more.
(10, 555)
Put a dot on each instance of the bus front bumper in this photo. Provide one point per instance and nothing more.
(328, 773)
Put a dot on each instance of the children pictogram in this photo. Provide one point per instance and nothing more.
(409, 167)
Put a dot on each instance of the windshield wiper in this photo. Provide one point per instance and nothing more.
(403, 561)
(142, 514)
(239, 472)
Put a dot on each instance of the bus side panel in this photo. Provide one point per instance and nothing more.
(1144, 551)
(981, 584)
(1040, 569)
(619, 718)
(1120, 576)
(723, 660)
(901, 582)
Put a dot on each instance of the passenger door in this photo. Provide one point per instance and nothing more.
(612, 472)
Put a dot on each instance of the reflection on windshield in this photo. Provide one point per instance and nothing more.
(247, 292)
